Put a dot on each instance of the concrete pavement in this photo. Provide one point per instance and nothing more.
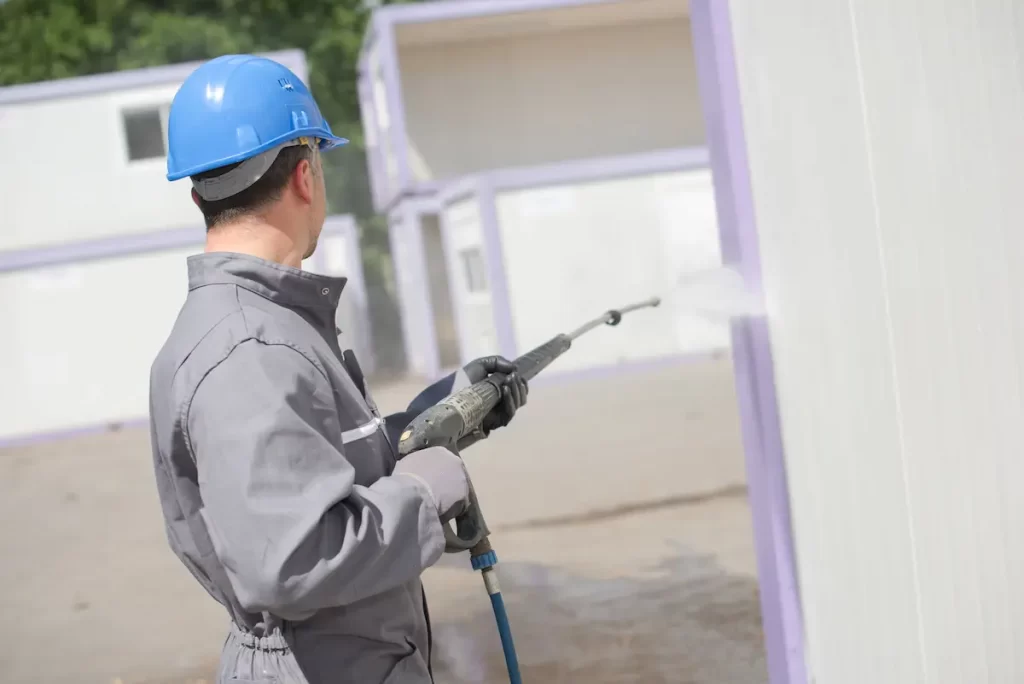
(617, 508)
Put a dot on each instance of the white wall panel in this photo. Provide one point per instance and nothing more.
(79, 339)
(886, 151)
(574, 251)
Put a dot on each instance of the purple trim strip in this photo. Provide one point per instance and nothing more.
(103, 248)
(126, 245)
(124, 80)
(459, 189)
(580, 171)
(601, 168)
(755, 380)
(496, 275)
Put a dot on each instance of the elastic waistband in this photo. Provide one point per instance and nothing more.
(275, 641)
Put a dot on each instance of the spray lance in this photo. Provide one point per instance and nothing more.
(462, 414)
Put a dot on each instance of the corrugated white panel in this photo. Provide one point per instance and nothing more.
(574, 251)
(79, 339)
(465, 255)
(67, 177)
(886, 151)
(537, 99)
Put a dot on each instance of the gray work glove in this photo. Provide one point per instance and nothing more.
(444, 476)
(514, 389)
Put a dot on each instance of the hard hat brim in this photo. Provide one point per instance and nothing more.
(328, 141)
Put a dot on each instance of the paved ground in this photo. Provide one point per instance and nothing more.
(618, 511)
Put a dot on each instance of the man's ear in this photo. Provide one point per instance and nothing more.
(303, 181)
(196, 198)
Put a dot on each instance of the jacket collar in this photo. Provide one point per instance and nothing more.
(276, 282)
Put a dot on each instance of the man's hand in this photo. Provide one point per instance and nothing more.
(514, 388)
(443, 474)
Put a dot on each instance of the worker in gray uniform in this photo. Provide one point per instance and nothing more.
(277, 475)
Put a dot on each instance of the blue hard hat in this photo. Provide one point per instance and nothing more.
(235, 107)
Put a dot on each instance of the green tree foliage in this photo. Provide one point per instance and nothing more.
(48, 39)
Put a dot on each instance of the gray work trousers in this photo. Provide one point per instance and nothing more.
(257, 660)
(249, 659)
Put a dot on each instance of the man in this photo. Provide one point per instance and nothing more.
(277, 475)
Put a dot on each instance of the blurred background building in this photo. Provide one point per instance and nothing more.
(94, 243)
(520, 151)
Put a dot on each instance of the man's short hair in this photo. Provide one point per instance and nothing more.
(257, 196)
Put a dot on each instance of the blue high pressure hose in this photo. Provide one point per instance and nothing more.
(485, 563)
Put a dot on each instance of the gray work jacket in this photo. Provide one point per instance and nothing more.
(272, 464)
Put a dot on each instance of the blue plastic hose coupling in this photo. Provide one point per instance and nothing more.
(484, 560)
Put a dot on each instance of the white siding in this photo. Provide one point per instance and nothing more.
(886, 154)
(474, 309)
(79, 339)
(537, 99)
(604, 244)
(66, 175)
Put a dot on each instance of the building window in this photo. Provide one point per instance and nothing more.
(145, 132)
(474, 270)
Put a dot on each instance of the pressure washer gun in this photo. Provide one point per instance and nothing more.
(462, 414)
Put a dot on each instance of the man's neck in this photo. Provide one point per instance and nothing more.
(258, 239)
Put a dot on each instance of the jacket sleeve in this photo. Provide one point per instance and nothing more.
(292, 529)
(396, 423)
